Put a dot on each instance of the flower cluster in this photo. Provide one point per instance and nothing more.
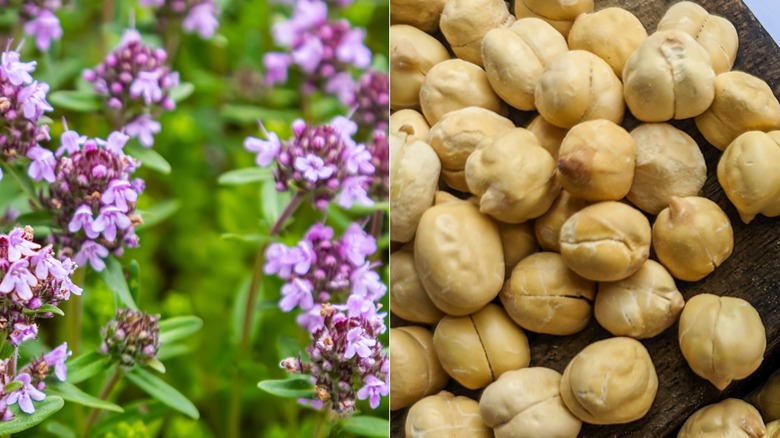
(29, 383)
(379, 147)
(22, 103)
(136, 83)
(131, 337)
(323, 50)
(92, 197)
(40, 22)
(371, 100)
(197, 16)
(322, 270)
(322, 160)
(346, 355)
(32, 277)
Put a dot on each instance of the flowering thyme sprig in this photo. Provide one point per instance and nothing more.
(196, 16)
(93, 198)
(347, 362)
(22, 103)
(322, 160)
(324, 50)
(321, 270)
(136, 83)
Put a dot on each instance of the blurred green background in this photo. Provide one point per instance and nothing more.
(194, 256)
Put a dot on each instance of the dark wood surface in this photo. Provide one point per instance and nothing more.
(751, 273)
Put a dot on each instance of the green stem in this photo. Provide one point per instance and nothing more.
(234, 417)
(74, 313)
(29, 190)
(104, 393)
(322, 427)
(14, 359)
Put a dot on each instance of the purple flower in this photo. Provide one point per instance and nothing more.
(108, 220)
(94, 253)
(132, 336)
(367, 283)
(373, 389)
(115, 143)
(296, 293)
(82, 218)
(313, 167)
(342, 86)
(202, 19)
(33, 100)
(56, 359)
(71, 142)
(20, 244)
(45, 263)
(119, 193)
(20, 280)
(147, 86)
(143, 127)
(266, 150)
(276, 65)
(358, 160)
(43, 164)
(353, 191)
(357, 244)
(22, 332)
(309, 54)
(308, 14)
(17, 72)
(358, 343)
(352, 50)
(25, 394)
(45, 28)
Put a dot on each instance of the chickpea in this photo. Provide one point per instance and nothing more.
(477, 349)
(515, 404)
(612, 381)
(640, 306)
(422, 15)
(415, 371)
(459, 257)
(692, 237)
(465, 22)
(721, 338)
(613, 34)
(445, 415)
(514, 177)
(607, 241)
(408, 298)
(730, 418)
(545, 296)
(412, 55)
(548, 226)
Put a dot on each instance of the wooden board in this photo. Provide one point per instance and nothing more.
(751, 273)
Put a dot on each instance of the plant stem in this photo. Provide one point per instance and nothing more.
(234, 417)
(105, 19)
(74, 313)
(322, 427)
(14, 359)
(104, 393)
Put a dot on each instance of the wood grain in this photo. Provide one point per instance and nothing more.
(751, 273)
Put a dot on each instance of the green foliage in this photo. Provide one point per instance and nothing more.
(296, 387)
(162, 391)
(21, 421)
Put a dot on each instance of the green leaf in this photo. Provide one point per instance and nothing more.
(251, 114)
(297, 387)
(59, 430)
(114, 278)
(244, 176)
(181, 91)
(78, 101)
(149, 157)
(86, 366)
(161, 211)
(156, 365)
(134, 279)
(72, 393)
(144, 411)
(168, 351)
(36, 218)
(274, 202)
(163, 392)
(46, 308)
(43, 410)
(12, 386)
(23, 180)
(362, 425)
(247, 238)
(180, 327)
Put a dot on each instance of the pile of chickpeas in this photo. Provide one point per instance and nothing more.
(551, 220)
